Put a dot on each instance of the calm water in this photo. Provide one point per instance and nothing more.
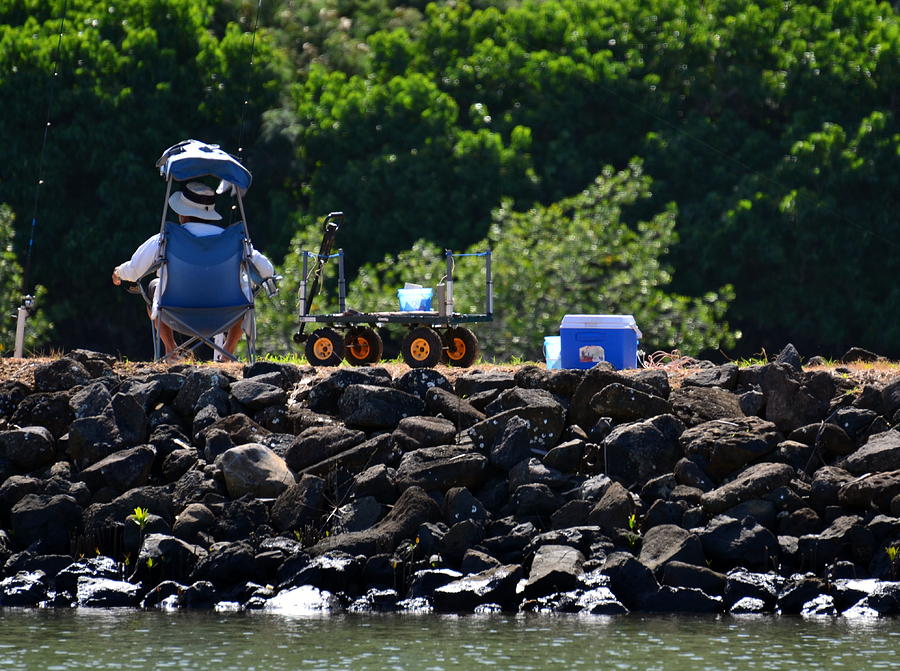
(59, 640)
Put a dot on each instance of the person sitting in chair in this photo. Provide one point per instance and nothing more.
(195, 207)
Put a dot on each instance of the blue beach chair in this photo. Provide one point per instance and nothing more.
(202, 295)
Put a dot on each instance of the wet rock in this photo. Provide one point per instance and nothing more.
(880, 453)
(305, 599)
(748, 606)
(413, 433)
(667, 543)
(555, 568)
(636, 452)
(375, 407)
(753, 483)
(461, 412)
(164, 557)
(797, 592)
(440, 468)
(424, 582)
(48, 521)
(681, 600)
(120, 471)
(226, 564)
(727, 445)
(255, 470)
(729, 542)
(679, 574)
(496, 585)
(96, 567)
(94, 592)
(26, 588)
(742, 584)
(819, 606)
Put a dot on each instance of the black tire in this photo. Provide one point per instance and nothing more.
(362, 346)
(422, 348)
(325, 347)
(460, 347)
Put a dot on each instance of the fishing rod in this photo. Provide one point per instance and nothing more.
(27, 306)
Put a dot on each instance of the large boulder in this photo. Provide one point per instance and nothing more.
(412, 509)
(545, 425)
(593, 382)
(871, 490)
(375, 407)
(555, 568)
(729, 542)
(667, 543)
(28, 448)
(727, 445)
(255, 470)
(695, 405)
(640, 451)
(880, 453)
(122, 470)
(318, 443)
(440, 468)
(627, 404)
(754, 483)
(492, 586)
(49, 521)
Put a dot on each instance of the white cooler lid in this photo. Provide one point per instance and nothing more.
(600, 322)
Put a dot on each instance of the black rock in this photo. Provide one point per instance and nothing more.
(637, 452)
(28, 448)
(626, 404)
(496, 585)
(319, 443)
(26, 588)
(729, 542)
(324, 396)
(50, 410)
(458, 410)
(61, 374)
(417, 381)
(256, 395)
(413, 433)
(120, 471)
(440, 468)
(50, 522)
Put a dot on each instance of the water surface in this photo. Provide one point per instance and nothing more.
(59, 640)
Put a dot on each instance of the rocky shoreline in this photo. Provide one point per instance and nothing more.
(763, 489)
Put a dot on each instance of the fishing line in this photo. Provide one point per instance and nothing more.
(40, 178)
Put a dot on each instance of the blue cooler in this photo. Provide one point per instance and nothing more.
(589, 339)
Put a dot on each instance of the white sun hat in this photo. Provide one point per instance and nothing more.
(195, 200)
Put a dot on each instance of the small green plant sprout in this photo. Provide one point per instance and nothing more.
(632, 522)
(151, 562)
(141, 517)
(892, 551)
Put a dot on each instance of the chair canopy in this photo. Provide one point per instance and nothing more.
(203, 293)
(191, 159)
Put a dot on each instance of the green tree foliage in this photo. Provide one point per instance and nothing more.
(578, 255)
(37, 328)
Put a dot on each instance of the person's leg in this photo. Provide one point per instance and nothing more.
(167, 335)
(233, 337)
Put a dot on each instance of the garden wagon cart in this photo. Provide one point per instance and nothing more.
(434, 336)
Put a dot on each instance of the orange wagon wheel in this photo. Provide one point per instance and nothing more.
(363, 346)
(461, 347)
(325, 347)
(422, 348)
